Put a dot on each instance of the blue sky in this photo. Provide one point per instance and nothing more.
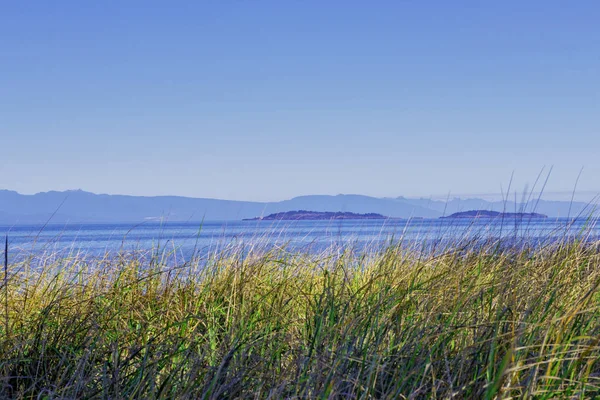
(266, 100)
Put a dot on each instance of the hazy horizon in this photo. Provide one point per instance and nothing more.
(579, 196)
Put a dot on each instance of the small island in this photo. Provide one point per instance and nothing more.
(494, 214)
(303, 215)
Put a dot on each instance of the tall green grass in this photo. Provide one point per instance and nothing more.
(484, 322)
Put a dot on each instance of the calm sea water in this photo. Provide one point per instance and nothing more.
(193, 238)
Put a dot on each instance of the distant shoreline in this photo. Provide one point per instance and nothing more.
(85, 207)
(303, 215)
(493, 214)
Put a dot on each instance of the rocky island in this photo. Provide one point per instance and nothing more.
(303, 215)
(494, 214)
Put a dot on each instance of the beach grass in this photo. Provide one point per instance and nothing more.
(480, 321)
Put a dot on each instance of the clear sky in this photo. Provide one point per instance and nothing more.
(266, 100)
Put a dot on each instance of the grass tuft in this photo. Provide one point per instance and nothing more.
(479, 322)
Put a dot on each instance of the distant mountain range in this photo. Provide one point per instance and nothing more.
(78, 206)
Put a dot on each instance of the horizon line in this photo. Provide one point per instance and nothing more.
(446, 197)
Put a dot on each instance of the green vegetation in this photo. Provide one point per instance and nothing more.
(479, 323)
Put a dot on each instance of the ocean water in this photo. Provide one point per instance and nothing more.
(193, 238)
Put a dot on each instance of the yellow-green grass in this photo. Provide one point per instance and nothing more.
(483, 322)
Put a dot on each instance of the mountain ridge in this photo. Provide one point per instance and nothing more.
(78, 206)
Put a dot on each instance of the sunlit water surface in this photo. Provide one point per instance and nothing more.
(187, 239)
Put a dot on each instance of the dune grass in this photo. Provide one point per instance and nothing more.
(482, 322)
